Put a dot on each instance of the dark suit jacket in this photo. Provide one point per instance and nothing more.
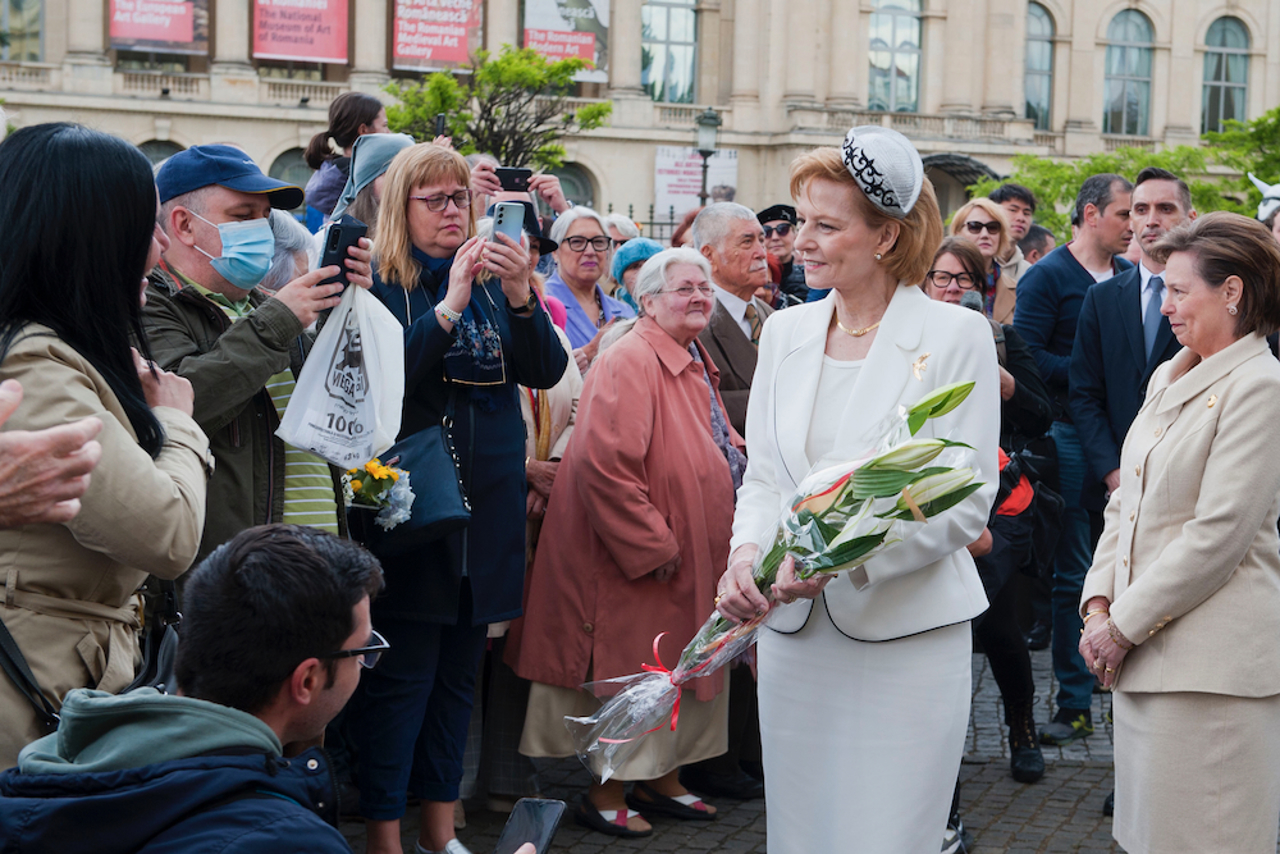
(1109, 373)
(735, 356)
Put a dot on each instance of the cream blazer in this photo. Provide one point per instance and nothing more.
(1190, 558)
(930, 580)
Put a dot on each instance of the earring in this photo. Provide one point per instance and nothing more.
(1232, 310)
(878, 256)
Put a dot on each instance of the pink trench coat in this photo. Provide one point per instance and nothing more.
(641, 482)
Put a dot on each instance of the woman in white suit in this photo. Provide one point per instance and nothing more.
(1184, 590)
(864, 681)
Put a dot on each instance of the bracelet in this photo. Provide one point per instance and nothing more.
(1095, 612)
(1116, 637)
(447, 313)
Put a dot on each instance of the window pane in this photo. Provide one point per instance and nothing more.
(658, 23)
(1233, 106)
(682, 25)
(680, 85)
(1237, 68)
(1138, 108)
(1039, 24)
(1113, 107)
(1115, 60)
(1140, 62)
(646, 18)
(1037, 88)
(654, 60)
(906, 80)
(879, 80)
(1214, 66)
(1039, 56)
(881, 31)
(907, 32)
(24, 30)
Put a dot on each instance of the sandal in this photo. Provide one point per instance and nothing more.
(685, 807)
(588, 816)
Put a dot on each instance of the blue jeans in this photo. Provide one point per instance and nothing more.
(410, 715)
(1071, 564)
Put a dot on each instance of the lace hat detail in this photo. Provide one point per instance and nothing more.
(886, 166)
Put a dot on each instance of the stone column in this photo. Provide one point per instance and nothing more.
(372, 20)
(232, 76)
(1002, 72)
(846, 55)
(624, 49)
(86, 67)
(801, 34)
(964, 20)
(502, 24)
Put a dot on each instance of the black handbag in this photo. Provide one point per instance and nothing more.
(159, 638)
(440, 504)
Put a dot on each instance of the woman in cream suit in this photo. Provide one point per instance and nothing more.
(864, 681)
(1185, 585)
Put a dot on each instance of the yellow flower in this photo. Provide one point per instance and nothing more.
(393, 474)
(372, 467)
(352, 471)
(355, 484)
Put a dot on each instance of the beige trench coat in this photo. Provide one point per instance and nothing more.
(70, 590)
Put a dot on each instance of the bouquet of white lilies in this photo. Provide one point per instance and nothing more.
(840, 517)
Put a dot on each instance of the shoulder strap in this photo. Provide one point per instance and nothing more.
(15, 665)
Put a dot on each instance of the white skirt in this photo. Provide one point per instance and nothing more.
(862, 741)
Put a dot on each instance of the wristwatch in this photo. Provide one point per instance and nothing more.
(529, 305)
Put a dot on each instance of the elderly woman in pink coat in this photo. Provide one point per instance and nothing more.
(636, 534)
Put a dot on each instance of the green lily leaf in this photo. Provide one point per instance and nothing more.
(933, 508)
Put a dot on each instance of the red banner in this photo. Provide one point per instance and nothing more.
(168, 26)
(436, 34)
(562, 44)
(303, 30)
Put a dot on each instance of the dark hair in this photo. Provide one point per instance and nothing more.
(966, 252)
(346, 113)
(1036, 238)
(1227, 244)
(77, 212)
(1099, 191)
(1155, 173)
(264, 602)
(1013, 192)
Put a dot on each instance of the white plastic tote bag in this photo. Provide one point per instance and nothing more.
(346, 407)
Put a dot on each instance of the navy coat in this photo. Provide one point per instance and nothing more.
(254, 803)
(489, 436)
(1109, 373)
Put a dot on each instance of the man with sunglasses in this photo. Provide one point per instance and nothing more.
(275, 635)
(779, 223)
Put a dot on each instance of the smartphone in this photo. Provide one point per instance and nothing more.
(532, 820)
(344, 232)
(440, 124)
(514, 180)
(508, 218)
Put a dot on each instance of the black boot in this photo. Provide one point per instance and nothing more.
(1026, 762)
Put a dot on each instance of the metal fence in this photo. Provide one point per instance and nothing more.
(659, 225)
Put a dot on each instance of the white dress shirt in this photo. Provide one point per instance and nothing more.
(1145, 276)
(737, 308)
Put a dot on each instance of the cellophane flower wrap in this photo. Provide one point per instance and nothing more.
(841, 516)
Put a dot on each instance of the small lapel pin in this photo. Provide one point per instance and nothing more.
(1213, 398)
(918, 367)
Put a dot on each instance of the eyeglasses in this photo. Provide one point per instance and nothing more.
(943, 279)
(975, 227)
(781, 230)
(368, 655)
(440, 201)
(686, 292)
(579, 243)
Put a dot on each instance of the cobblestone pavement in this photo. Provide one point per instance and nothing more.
(1061, 813)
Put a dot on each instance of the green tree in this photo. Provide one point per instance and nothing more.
(1057, 182)
(1250, 147)
(513, 106)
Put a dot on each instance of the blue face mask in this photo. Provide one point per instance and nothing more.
(247, 251)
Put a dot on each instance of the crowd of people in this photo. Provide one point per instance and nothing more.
(627, 421)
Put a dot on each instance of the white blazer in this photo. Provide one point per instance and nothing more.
(930, 580)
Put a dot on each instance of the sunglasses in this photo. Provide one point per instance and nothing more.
(782, 230)
(975, 227)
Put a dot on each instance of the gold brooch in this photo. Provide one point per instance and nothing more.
(918, 366)
(1213, 398)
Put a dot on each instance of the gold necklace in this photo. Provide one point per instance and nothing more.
(857, 333)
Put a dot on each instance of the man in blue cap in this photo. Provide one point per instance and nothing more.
(240, 348)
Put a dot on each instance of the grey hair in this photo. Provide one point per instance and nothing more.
(625, 225)
(480, 157)
(1098, 190)
(195, 201)
(560, 227)
(614, 334)
(711, 225)
(291, 238)
(653, 275)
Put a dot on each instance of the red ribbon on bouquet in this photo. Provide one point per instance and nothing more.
(675, 710)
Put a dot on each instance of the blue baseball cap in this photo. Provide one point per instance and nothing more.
(224, 165)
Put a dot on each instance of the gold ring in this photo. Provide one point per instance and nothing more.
(1111, 670)
(1097, 664)
(718, 598)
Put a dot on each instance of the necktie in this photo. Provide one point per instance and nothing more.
(1151, 318)
(753, 318)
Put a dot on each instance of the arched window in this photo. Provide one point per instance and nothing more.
(292, 168)
(669, 50)
(1039, 70)
(575, 181)
(158, 150)
(895, 56)
(21, 21)
(1226, 73)
(1127, 108)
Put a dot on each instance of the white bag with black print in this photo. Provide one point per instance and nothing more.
(346, 406)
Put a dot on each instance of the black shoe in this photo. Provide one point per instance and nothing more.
(1038, 636)
(1026, 762)
(1109, 805)
(1068, 725)
(740, 786)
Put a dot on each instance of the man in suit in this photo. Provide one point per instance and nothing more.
(732, 240)
(1049, 298)
(1121, 336)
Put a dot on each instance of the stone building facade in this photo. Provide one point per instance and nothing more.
(972, 82)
